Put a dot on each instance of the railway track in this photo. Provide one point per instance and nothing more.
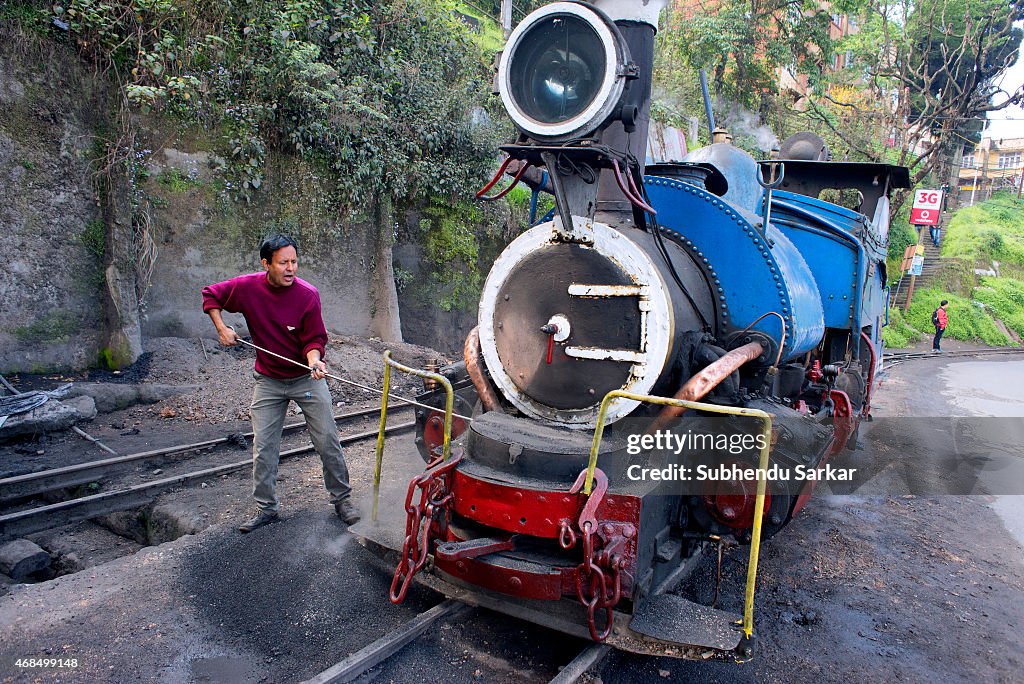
(889, 360)
(391, 643)
(25, 487)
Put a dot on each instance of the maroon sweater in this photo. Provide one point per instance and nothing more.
(285, 320)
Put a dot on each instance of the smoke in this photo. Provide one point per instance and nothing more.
(743, 122)
(328, 539)
(665, 106)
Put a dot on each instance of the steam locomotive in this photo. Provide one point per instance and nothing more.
(654, 304)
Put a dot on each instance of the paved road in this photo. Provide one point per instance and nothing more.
(993, 389)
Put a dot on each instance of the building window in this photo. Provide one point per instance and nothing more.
(968, 161)
(1009, 160)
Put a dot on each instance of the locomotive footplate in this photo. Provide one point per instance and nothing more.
(673, 618)
(715, 636)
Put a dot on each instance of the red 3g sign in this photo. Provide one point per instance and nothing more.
(927, 207)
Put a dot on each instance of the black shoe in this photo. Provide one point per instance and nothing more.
(262, 518)
(347, 512)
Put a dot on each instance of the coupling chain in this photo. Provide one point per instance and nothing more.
(433, 502)
(598, 580)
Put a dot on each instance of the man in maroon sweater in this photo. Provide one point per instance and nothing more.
(283, 315)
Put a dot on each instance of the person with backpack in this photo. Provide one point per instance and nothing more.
(939, 320)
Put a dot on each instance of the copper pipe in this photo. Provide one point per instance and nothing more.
(782, 341)
(471, 354)
(698, 386)
(430, 384)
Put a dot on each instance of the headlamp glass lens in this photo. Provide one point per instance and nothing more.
(557, 69)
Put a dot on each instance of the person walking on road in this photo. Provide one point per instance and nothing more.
(939, 320)
(284, 316)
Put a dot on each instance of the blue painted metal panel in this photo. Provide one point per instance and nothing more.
(752, 276)
(831, 258)
(851, 221)
(851, 280)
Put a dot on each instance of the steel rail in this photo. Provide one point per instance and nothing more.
(74, 510)
(589, 658)
(353, 666)
(375, 653)
(42, 481)
(889, 360)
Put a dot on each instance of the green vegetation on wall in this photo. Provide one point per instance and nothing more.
(991, 231)
(56, 327)
(178, 181)
(898, 333)
(968, 320)
(1004, 297)
(452, 250)
(389, 98)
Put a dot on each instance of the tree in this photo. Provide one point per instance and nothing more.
(930, 69)
(743, 44)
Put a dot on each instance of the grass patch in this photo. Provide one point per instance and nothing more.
(1004, 297)
(898, 333)
(991, 231)
(487, 33)
(177, 181)
(94, 238)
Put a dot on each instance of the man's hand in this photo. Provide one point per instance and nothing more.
(319, 369)
(228, 337)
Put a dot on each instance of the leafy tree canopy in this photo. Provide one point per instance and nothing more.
(390, 97)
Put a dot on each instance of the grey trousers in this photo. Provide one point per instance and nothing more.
(269, 409)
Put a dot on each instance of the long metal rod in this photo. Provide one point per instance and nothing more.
(449, 404)
(89, 438)
(588, 658)
(347, 382)
(707, 104)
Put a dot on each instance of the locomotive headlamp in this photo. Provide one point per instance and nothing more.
(563, 71)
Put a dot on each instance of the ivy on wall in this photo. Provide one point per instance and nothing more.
(390, 98)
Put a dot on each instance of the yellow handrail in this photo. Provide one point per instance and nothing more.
(449, 406)
(762, 468)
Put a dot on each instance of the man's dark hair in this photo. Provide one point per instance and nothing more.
(944, 302)
(274, 242)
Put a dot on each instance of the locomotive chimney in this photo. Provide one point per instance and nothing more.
(637, 21)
